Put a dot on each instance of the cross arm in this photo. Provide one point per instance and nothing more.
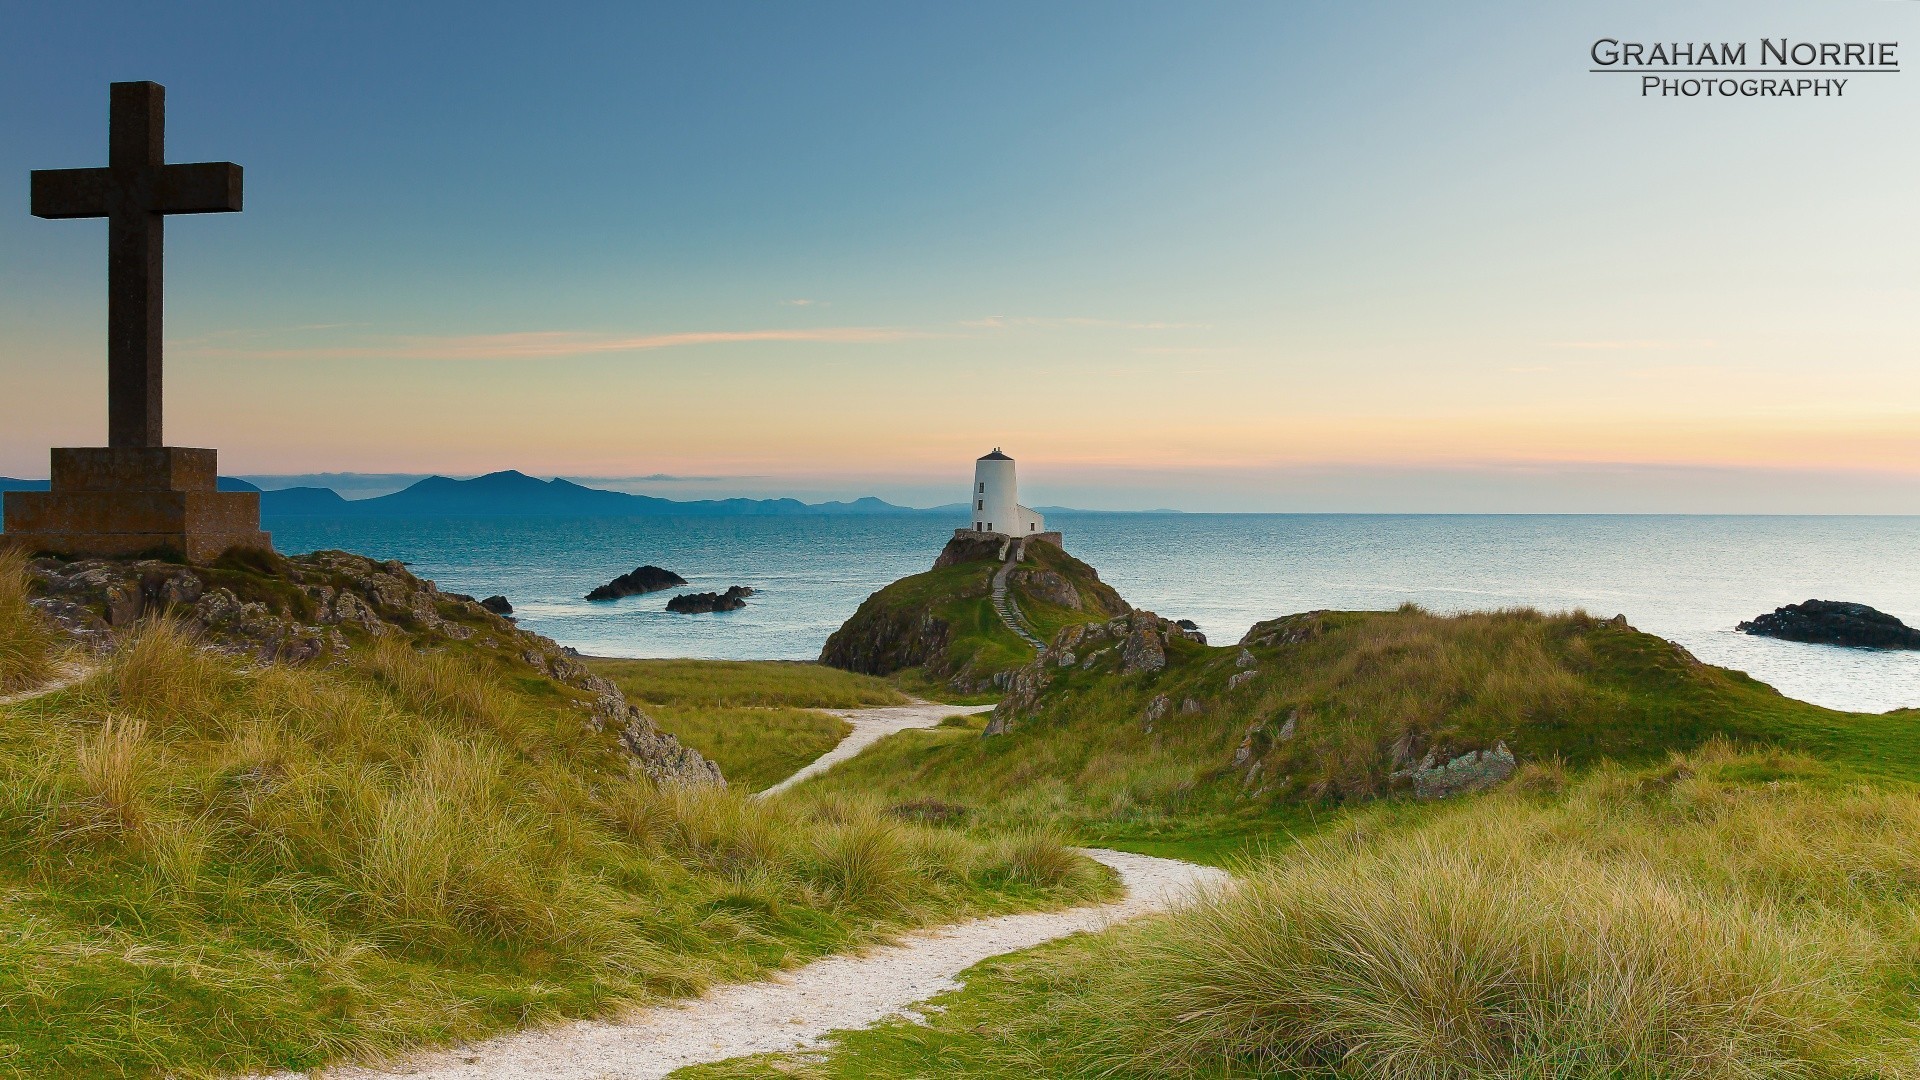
(207, 187)
(70, 193)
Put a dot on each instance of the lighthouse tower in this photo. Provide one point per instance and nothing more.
(996, 499)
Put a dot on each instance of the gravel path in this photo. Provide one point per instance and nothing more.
(872, 725)
(794, 1010)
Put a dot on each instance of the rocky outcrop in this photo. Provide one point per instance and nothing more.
(642, 579)
(318, 608)
(1835, 622)
(497, 604)
(912, 622)
(1286, 630)
(1474, 770)
(1130, 644)
(701, 603)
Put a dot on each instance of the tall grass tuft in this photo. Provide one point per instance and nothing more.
(438, 684)
(28, 645)
(162, 676)
(109, 764)
(1697, 928)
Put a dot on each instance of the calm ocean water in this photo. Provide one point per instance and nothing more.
(1686, 578)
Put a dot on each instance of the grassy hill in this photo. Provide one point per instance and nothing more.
(942, 623)
(1229, 745)
(211, 865)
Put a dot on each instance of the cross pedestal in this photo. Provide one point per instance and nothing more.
(136, 500)
(135, 495)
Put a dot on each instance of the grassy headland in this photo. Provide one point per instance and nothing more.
(209, 866)
(1328, 707)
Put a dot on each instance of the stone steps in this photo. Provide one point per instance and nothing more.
(1009, 611)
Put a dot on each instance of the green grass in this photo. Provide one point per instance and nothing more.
(1364, 690)
(209, 868)
(754, 747)
(1725, 914)
(745, 683)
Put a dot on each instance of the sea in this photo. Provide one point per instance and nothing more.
(1687, 578)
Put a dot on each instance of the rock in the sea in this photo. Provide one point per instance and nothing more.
(1835, 622)
(497, 604)
(700, 603)
(643, 579)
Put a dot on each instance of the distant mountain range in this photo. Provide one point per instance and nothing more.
(510, 494)
(515, 494)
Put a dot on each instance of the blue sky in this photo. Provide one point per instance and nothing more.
(1267, 256)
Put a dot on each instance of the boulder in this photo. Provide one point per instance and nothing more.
(497, 604)
(643, 579)
(1834, 622)
(702, 603)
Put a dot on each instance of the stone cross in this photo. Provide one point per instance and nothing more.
(134, 193)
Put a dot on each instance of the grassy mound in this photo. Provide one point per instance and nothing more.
(745, 683)
(27, 644)
(1324, 708)
(1725, 914)
(208, 867)
(943, 621)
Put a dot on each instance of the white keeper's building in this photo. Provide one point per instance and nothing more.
(996, 499)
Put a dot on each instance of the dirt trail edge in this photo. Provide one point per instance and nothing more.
(72, 673)
(794, 1010)
(872, 725)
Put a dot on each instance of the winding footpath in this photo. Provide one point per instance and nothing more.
(71, 673)
(869, 727)
(796, 1010)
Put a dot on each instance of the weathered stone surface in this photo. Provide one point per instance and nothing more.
(642, 579)
(702, 603)
(1241, 679)
(1472, 771)
(1835, 622)
(1133, 643)
(1047, 586)
(1286, 630)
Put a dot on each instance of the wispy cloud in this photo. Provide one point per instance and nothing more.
(1006, 322)
(546, 344)
(803, 303)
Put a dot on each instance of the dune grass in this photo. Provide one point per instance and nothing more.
(28, 646)
(207, 868)
(1336, 702)
(1729, 914)
(737, 683)
(754, 747)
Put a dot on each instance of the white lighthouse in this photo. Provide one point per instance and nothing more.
(996, 499)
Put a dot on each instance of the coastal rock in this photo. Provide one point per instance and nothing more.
(702, 603)
(1835, 622)
(318, 608)
(1047, 586)
(1138, 639)
(1286, 630)
(1474, 770)
(497, 604)
(642, 579)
